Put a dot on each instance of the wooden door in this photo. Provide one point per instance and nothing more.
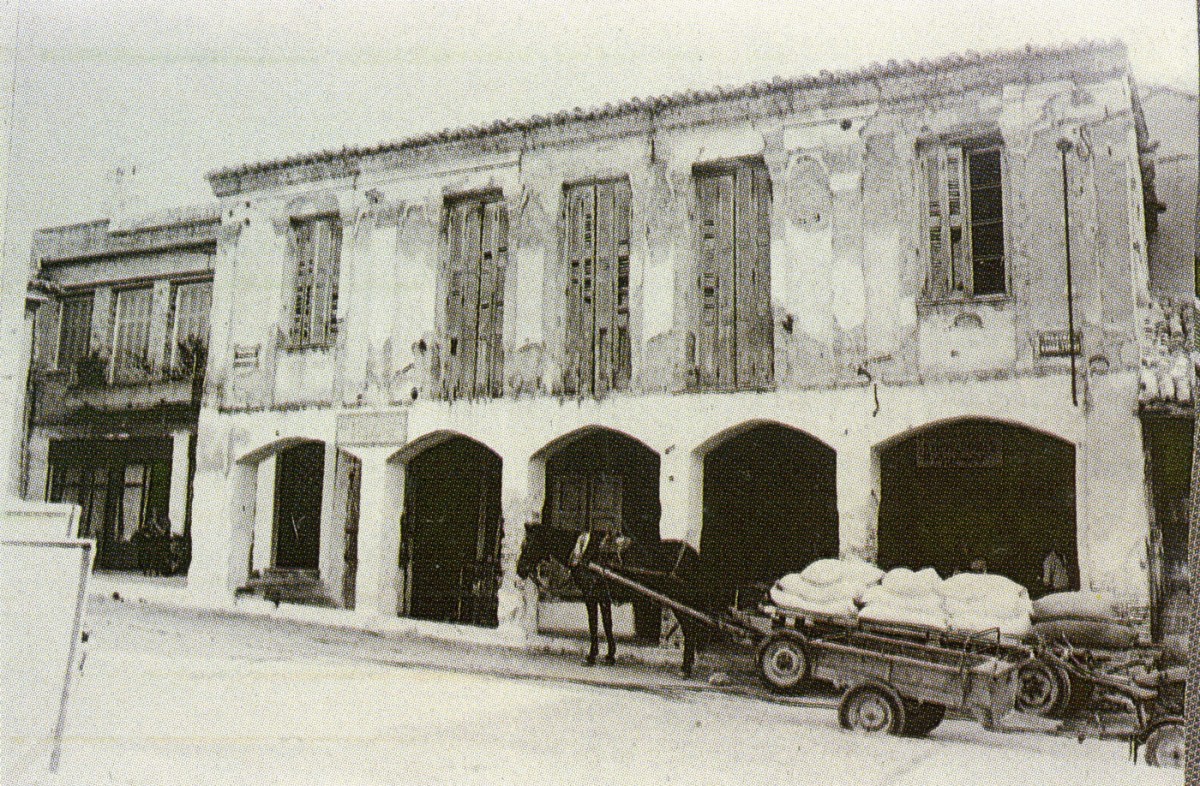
(588, 502)
(299, 478)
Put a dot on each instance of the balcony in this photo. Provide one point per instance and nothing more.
(90, 385)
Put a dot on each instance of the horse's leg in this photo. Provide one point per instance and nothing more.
(606, 615)
(593, 632)
(690, 634)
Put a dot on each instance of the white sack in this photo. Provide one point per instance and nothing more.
(903, 581)
(1077, 605)
(794, 584)
(858, 569)
(785, 600)
(966, 586)
(824, 572)
(879, 595)
(877, 612)
(987, 606)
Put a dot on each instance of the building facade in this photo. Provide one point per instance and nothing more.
(117, 376)
(899, 313)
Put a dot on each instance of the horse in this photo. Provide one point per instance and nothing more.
(670, 567)
(544, 542)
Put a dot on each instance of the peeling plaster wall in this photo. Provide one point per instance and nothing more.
(847, 257)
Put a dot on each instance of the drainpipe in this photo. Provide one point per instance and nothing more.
(1065, 145)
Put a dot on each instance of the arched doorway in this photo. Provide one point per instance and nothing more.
(451, 532)
(601, 479)
(770, 508)
(299, 482)
(996, 495)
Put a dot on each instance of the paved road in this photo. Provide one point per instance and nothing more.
(180, 697)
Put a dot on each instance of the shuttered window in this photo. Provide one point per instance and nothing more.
(734, 331)
(131, 338)
(476, 257)
(597, 346)
(187, 335)
(964, 221)
(74, 331)
(318, 244)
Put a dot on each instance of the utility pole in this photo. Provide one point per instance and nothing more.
(1064, 146)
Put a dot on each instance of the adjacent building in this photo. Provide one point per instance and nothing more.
(899, 312)
(117, 376)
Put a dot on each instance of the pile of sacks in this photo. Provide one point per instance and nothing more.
(906, 597)
(966, 602)
(1085, 619)
(827, 586)
(977, 602)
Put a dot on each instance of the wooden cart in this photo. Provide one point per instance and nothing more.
(891, 684)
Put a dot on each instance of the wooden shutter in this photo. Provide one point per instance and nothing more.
(957, 269)
(948, 270)
(622, 362)
(456, 307)
(735, 340)
(597, 344)
(754, 340)
(714, 339)
(935, 283)
(52, 324)
(302, 235)
(489, 360)
(603, 339)
(476, 259)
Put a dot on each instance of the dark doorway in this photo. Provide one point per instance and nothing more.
(1168, 443)
(451, 533)
(977, 492)
(122, 487)
(770, 508)
(299, 478)
(604, 480)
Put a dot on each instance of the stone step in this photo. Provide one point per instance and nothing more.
(278, 577)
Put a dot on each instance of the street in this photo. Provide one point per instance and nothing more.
(169, 696)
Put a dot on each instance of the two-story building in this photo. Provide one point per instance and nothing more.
(897, 312)
(119, 359)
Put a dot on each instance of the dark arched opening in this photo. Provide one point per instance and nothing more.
(299, 482)
(451, 533)
(979, 493)
(770, 508)
(601, 480)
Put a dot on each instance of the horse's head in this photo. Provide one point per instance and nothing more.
(540, 545)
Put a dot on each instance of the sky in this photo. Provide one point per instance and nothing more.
(178, 88)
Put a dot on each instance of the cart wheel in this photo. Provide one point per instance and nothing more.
(783, 663)
(873, 709)
(1043, 690)
(920, 719)
(1164, 745)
